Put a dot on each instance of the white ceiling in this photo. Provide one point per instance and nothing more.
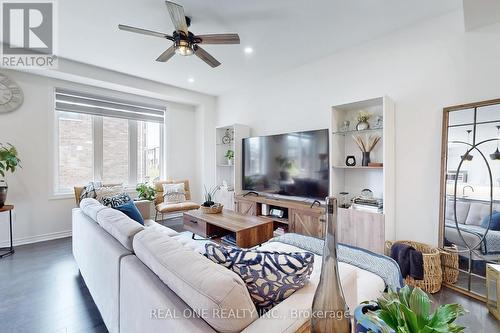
(283, 33)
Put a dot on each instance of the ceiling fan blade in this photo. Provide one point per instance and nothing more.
(219, 39)
(205, 56)
(177, 16)
(144, 31)
(165, 56)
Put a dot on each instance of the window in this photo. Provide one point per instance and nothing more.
(108, 140)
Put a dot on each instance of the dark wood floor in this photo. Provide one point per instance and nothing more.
(42, 291)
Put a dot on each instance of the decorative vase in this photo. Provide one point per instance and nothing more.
(366, 158)
(350, 160)
(362, 125)
(3, 193)
(229, 161)
(330, 313)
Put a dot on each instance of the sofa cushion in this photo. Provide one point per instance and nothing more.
(131, 211)
(462, 211)
(116, 200)
(271, 277)
(108, 191)
(91, 207)
(495, 221)
(174, 193)
(209, 289)
(119, 225)
(176, 207)
(478, 211)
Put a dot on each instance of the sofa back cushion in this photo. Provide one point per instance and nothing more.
(119, 225)
(478, 211)
(217, 294)
(91, 207)
(462, 211)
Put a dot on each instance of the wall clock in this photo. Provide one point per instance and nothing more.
(11, 95)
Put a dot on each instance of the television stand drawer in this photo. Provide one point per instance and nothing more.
(196, 226)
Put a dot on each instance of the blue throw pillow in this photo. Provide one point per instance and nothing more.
(131, 211)
(495, 221)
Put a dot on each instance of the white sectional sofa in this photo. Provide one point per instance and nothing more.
(152, 279)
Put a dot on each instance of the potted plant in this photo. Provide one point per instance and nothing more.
(407, 311)
(145, 191)
(229, 156)
(209, 205)
(362, 118)
(9, 161)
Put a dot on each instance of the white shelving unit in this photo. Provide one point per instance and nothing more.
(353, 179)
(225, 172)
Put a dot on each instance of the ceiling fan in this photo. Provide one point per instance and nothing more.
(185, 42)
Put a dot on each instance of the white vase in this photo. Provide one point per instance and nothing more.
(229, 161)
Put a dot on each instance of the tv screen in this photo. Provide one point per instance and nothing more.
(292, 164)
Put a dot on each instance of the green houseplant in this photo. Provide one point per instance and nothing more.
(209, 196)
(9, 161)
(229, 156)
(409, 311)
(145, 191)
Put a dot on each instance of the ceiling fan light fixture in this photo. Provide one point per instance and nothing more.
(184, 48)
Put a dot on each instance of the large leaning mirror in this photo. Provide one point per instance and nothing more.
(470, 195)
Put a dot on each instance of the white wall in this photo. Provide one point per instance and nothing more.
(38, 215)
(423, 69)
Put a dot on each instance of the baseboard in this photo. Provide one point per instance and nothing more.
(38, 238)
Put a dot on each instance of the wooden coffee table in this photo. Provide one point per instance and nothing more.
(249, 230)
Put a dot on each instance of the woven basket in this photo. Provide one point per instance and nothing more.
(433, 275)
(449, 262)
(212, 210)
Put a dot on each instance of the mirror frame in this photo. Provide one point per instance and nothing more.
(442, 194)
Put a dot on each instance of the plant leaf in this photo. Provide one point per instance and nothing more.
(420, 303)
(410, 319)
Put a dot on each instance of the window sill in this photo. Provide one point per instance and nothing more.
(61, 196)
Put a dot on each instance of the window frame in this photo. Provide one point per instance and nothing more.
(98, 152)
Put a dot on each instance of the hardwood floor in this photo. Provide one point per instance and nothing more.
(41, 291)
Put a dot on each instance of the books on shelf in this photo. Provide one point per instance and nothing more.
(373, 205)
(229, 239)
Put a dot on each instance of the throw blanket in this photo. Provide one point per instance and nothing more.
(410, 261)
(381, 265)
(491, 244)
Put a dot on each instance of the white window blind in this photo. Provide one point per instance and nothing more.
(78, 102)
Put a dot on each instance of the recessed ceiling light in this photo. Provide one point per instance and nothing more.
(248, 50)
(191, 80)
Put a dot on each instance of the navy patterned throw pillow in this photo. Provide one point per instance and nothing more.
(270, 277)
(116, 200)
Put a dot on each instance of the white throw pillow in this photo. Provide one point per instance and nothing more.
(108, 191)
(174, 193)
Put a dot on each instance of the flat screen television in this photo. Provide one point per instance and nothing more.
(292, 164)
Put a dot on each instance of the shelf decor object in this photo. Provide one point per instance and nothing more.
(493, 283)
(366, 146)
(362, 118)
(350, 161)
(329, 298)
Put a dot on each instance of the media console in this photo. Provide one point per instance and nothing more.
(357, 228)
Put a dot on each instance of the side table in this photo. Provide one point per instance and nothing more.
(9, 250)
